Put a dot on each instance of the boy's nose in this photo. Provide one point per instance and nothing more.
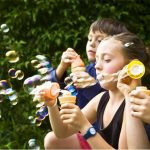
(93, 43)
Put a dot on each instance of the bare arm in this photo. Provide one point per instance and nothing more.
(136, 134)
(65, 63)
(135, 131)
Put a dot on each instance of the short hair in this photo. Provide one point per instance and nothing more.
(108, 26)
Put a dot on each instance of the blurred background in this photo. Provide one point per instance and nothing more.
(48, 27)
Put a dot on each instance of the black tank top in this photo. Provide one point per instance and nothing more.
(112, 132)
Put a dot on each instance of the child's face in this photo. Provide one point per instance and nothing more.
(109, 59)
(94, 38)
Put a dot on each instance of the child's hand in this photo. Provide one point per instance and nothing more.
(125, 83)
(82, 79)
(67, 57)
(140, 105)
(72, 115)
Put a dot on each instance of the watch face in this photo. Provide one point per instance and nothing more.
(92, 131)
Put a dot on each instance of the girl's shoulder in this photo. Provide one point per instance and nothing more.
(96, 100)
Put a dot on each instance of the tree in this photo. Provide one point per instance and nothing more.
(48, 27)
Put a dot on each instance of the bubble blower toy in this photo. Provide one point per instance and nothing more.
(135, 69)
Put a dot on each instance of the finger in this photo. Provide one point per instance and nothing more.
(136, 114)
(70, 50)
(139, 94)
(66, 111)
(136, 108)
(67, 121)
(68, 105)
(80, 74)
(65, 116)
(136, 101)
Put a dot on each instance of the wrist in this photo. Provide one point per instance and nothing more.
(90, 132)
(52, 105)
(64, 66)
(84, 129)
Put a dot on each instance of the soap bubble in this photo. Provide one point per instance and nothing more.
(41, 57)
(12, 56)
(42, 113)
(19, 74)
(34, 63)
(4, 84)
(13, 98)
(31, 83)
(12, 73)
(32, 143)
(38, 122)
(4, 28)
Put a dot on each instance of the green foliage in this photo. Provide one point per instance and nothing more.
(49, 27)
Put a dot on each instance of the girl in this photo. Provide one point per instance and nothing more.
(118, 129)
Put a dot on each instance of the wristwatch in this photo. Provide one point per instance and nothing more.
(90, 132)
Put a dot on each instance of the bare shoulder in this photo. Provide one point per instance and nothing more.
(90, 110)
(93, 103)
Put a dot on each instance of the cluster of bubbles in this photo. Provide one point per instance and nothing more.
(5, 85)
(31, 84)
(43, 66)
(6, 88)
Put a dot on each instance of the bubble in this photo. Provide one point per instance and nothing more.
(42, 64)
(32, 120)
(41, 57)
(32, 143)
(42, 113)
(43, 70)
(4, 28)
(38, 122)
(19, 74)
(4, 84)
(12, 73)
(12, 56)
(31, 82)
(13, 98)
(9, 91)
(39, 104)
(47, 77)
(34, 63)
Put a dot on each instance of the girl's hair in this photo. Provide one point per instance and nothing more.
(133, 48)
(108, 26)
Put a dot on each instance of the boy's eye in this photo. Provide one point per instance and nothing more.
(107, 60)
(99, 41)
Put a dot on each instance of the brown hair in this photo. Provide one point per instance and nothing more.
(108, 26)
(133, 48)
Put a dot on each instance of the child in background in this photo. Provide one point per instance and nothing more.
(118, 128)
(98, 30)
